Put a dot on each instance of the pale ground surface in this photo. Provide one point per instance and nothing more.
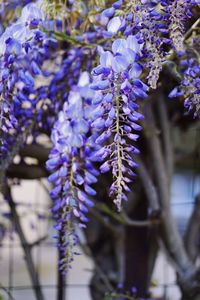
(45, 256)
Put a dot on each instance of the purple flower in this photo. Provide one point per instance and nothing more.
(119, 111)
(72, 161)
(114, 25)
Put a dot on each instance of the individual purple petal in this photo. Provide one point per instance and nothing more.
(114, 24)
(120, 63)
(109, 12)
(55, 192)
(132, 164)
(112, 113)
(84, 219)
(133, 137)
(119, 45)
(82, 196)
(53, 177)
(35, 68)
(101, 70)
(108, 97)
(126, 87)
(98, 112)
(63, 172)
(128, 129)
(100, 85)
(108, 122)
(76, 213)
(89, 190)
(132, 43)
(98, 123)
(77, 141)
(97, 100)
(175, 93)
(103, 137)
(52, 163)
(129, 54)
(13, 46)
(135, 70)
(106, 59)
(119, 3)
(90, 178)
(79, 179)
(105, 167)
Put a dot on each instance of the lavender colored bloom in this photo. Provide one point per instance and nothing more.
(190, 86)
(117, 102)
(114, 25)
(109, 12)
(72, 162)
(22, 56)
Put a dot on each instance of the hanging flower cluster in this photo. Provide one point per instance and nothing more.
(189, 71)
(117, 81)
(71, 160)
(24, 48)
(189, 86)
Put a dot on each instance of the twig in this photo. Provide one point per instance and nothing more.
(188, 33)
(122, 218)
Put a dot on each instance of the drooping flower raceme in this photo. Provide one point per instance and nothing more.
(23, 49)
(71, 161)
(144, 17)
(189, 87)
(118, 83)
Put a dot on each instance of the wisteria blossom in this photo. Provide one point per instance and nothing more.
(82, 77)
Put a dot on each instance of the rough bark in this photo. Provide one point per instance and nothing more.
(193, 231)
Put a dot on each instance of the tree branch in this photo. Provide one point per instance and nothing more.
(193, 231)
(119, 240)
(36, 151)
(121, 218)
(169, 230)
(105, 222)
(166, 135)
(25, 171)
(149, 188)
(137, 223)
